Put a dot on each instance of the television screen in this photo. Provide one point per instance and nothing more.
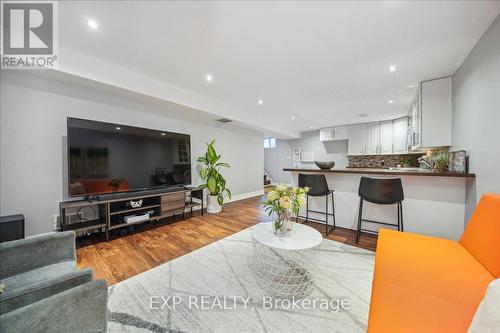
(107, 158)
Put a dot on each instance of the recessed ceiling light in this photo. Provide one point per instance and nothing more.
(163, 134)
(208, 78)
(411, 86)
(293, 118)
(118, 128)
(392, 68)
(93, 24)
(311, 126)
(260, 102)
(390, 101)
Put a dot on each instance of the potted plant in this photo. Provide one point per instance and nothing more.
(283, 201)
(406, 162)
(440, 162)
(214, 181)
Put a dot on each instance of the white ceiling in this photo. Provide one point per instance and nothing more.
(324, 63)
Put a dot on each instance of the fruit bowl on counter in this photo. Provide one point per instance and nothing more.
(325, 165)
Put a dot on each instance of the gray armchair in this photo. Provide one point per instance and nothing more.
(44, 289)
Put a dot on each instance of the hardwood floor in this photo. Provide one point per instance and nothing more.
(152, 245)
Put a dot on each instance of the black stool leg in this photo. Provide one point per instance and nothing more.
(307, 209)
(333, 210)
(359, 218)
(399, 222)
(326, 215)
(401, 210)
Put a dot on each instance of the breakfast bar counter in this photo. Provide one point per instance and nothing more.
(434, 202)
(387, 171)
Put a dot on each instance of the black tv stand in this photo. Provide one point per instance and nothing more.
(158, 203)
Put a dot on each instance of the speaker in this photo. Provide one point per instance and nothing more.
(11, 227)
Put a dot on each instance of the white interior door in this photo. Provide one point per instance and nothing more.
(385, 137)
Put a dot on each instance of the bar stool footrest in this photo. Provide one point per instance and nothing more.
(378, 222)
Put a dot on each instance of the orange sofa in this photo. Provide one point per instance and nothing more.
(427, 284)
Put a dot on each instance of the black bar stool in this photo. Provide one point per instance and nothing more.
(381, 192)
(318, 187)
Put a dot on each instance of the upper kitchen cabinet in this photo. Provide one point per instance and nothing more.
(400, 135)
(386, 138)
(357, 139)
(372, 138)
(333, 133)
(379, 138)
(430, 114)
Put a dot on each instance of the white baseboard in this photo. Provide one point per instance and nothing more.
(236, 197)
(286, 184)
(242, 196)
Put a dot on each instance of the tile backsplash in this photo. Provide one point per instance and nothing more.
(381, 161)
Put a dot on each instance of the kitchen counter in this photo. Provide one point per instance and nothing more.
(434, 202)
(380, 171)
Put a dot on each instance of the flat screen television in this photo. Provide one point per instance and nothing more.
(109, 158)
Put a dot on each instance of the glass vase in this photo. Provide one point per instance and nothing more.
(282, 224)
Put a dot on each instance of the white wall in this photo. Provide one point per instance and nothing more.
(476, 114)
(275, 159)
(281, 157)
(33, 141)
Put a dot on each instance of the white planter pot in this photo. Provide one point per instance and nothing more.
(213, 206)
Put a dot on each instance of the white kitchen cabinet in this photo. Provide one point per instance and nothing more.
(436, 113)
(399, 135)
(341, 132)
(379, 138)
(333, 133)
(326, 134)
(415, 122)
(357, 140)
(385, 141)
(430, 114)
(372, 138)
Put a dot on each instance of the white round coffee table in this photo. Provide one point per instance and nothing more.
(284, 265)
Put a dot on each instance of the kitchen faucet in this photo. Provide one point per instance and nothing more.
(423, 160)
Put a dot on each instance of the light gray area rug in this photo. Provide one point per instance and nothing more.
(213, 289)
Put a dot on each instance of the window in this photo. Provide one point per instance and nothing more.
(269, 143)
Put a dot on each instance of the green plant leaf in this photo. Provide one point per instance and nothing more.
(202, 159)
(222, 184)
(212, 185)
(220, 199)
(222, 164)
(203, 173)
(228, 193)
(211, 154)
(202, 186)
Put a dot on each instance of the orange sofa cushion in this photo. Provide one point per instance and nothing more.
(482, 234)
(424, 284)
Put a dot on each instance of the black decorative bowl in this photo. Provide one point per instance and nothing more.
(325, 165)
